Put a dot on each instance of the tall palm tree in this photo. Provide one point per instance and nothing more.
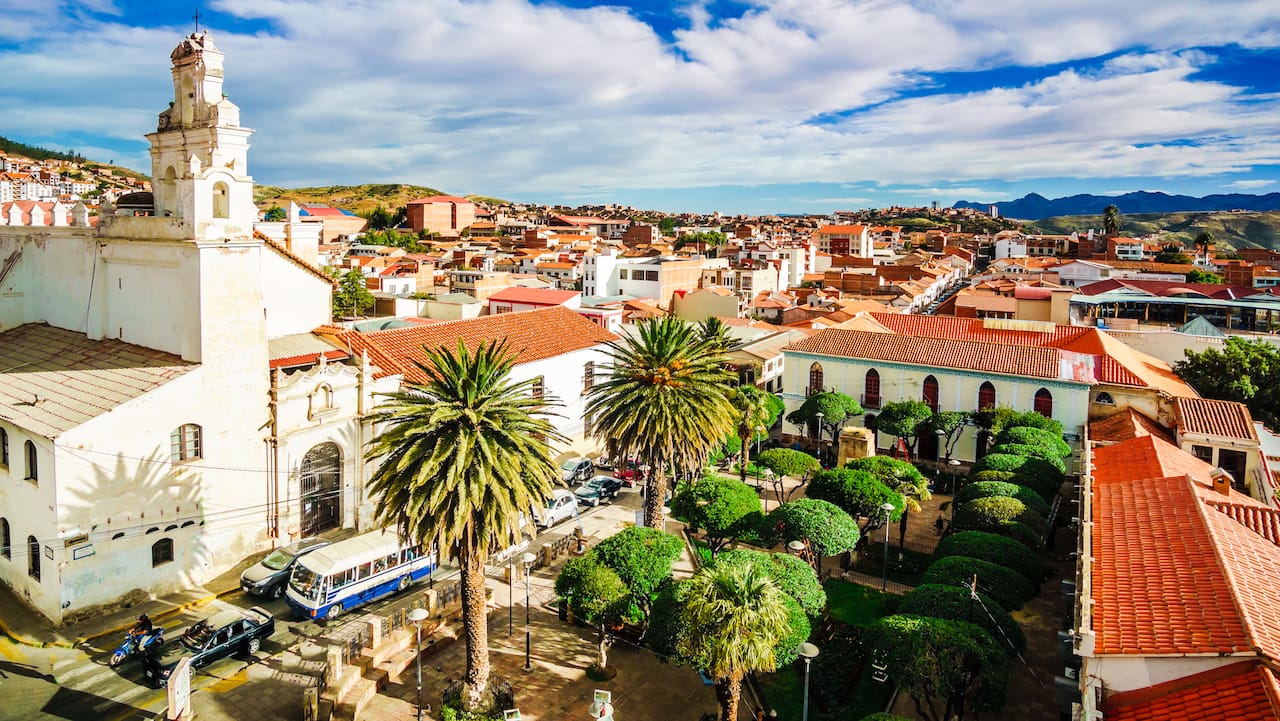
(665, 400)
(750, 410)
(734, 616)
(461, 457)
(714, 331)
(1111, 220)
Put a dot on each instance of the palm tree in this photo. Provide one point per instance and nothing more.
(1111, 220)
(461, 458)
(714, 331)
(750, 411)
(665, 400)
(734, 616)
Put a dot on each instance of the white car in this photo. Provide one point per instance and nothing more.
(562, 506)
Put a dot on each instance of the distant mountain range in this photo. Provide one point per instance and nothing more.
(1035, 206)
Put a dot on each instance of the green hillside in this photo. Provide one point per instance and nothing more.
(1245, 229)
(356, 198)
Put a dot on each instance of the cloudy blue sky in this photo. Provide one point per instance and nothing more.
(761, 106)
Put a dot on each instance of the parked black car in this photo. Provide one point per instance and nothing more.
(268, 577)
(598, 490)
(224, 634)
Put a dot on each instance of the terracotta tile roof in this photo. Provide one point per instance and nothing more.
(976, 329)
(52, 380)
(533, 296)
(1146, 456)
(1215, 418)
(990, 357)
(1158, 585)
(840, 230)
(1246, 691)
(1257, 517)
(1126, 425)
(533, 335)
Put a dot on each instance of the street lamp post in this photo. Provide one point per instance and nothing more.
(527, 561)
(808, 652)
(511, 596)
(884, 574)
(759, 435)
(418, 615)
(821, 415)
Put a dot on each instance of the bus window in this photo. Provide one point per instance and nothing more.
(409, 554)
(362, 571)
(305, 582)
(392, 560)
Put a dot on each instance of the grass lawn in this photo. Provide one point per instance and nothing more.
(854, 604)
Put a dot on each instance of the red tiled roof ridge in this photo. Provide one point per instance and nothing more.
(1033, 361)
(1251, 567)
(1244, 691)
(1215, 417)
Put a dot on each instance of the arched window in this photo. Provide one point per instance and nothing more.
(161, 552)
(221, 200)
(986, 396)
(930, 393)
(33, 464)
(6, 548)
(871, 389)
(33, 557)
(1044, 403)
(815, 379)
(4, 448)
(117, 536)
(1104, 398)
(184, 443)
(321, 400)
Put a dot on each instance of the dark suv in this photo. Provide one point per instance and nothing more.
(268, 577)
(224, 634)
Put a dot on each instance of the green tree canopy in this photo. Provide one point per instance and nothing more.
(991, 489)
(938, 660)
(1026, 435)
(796, 578)
(1006, 586)
(642, 558)
(274, 214)
(352, 295)
(951, 423)
(1195, 275)
(1245, 371)
(991, 547)
(788, 462)
(902, 478)
(722, 507)
(1111, 220)
(994, 513)
(822, 526)
(902, 419)
(715, 333)
(859, 493)
(836, 410)
(996, 420)
(596, 595)
(956, 604)
(1176, 257)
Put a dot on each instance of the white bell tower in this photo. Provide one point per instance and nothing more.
(199, 152)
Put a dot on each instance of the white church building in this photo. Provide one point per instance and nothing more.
(164, 408)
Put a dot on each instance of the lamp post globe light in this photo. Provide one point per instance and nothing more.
(884, 575)
(527, 560)
(418, 615)
(808, 652)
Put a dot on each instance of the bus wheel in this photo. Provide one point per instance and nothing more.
(334, 611)
(404, 583)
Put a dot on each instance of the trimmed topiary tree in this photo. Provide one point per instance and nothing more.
(991, 547)
(1008, 588)
(1026, 465)
(642, 558)
(1047, 488)
(956, 604)
(1028, 436)
(823, 527)
(799, 628)
(989, 489)
(857, 492)
(788, 462)
(725, 508)
(991, 514)
(1045, 454)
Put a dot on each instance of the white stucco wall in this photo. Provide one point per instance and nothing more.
(296, 300)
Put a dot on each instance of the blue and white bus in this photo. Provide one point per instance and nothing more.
(337, 578)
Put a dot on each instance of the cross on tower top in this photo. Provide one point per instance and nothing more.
(196, 17)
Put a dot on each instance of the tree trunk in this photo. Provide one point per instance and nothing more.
(655, 498)
(746, 449)
(602, 653)
(902, 529)
(728, 691)
(475, 620)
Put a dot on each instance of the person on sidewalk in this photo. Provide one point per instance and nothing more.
(939, 524)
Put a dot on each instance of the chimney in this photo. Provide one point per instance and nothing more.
(1221, 481)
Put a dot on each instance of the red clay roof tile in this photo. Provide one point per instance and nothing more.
(1215, 418)
(1017, 360)
(1237, 692)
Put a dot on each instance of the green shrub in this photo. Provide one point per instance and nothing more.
(1046, 487)
(1045, 454)
(1007, 588)
(1028, 436)
(1036, 467)
(988, 489)
(1031, 419)
(990, 547)
(858, 492)
(954, 604)
(989, 514)
(794, 577)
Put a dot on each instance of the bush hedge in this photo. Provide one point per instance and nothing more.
(953, 603)
(989, 514)
(991, 547)
(1028, 466)
(989, 489)
(1027, 436)
(1007, 588)
(1045, 454)
(1046, 487)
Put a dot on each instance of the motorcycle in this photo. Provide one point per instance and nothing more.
(136, 644)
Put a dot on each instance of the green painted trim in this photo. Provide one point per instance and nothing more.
(872, 362)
